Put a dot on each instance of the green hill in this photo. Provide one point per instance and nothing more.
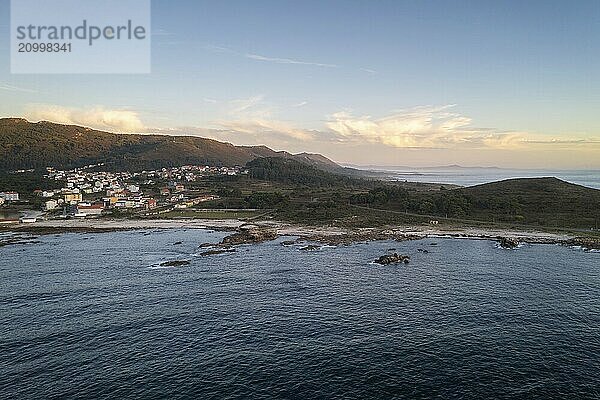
(541, 201)
(304, 172)
(25, 145)
(548, 202)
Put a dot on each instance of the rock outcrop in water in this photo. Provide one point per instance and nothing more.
(247, 234)
(588, 243)
(250, 234)
(175, 263)
(218, 251)
(393, 259)
(508, 243)
(311, 247)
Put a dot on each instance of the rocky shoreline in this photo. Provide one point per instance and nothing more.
(251, 234)
(268, 230)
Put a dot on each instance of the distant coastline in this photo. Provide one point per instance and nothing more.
(470, 176)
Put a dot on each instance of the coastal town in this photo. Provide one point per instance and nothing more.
(89, 192)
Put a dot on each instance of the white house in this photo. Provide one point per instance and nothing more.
(10, 196)
(50, 205)
(92, 209)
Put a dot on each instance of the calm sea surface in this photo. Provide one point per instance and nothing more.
(91, 316)
(477, 176)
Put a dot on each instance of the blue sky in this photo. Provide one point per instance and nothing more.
(505, 83)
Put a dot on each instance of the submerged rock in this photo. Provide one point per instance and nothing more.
(19, 240)
(393, 259)
(288, 242)
(174, 263)
(508, 243)
(311, 247)
(220, 251)
(423, 251)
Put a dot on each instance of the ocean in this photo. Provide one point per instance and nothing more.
(477, 176)
(95, 316)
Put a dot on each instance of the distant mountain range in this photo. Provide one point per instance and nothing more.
(25, 145)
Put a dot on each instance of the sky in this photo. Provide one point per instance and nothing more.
(391, 83)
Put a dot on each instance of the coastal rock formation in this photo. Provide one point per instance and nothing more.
(361, 236)
(588, 243)
(508, 243)
(250, 234)
(174, 263)
(393, 259)
(407, 237)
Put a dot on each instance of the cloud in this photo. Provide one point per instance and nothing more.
(368, 70)
(301, 104)
(219, 49)
(243, 105)
(566, 142)
(250, 121)
(420, 127)
(125, 121)
(288, 61)
(276, 60)
(248, 109)
(11, 88)
(267, 129)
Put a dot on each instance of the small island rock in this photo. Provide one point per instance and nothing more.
(393, 259)
(508, 243)
(174, 263)
(251, 234)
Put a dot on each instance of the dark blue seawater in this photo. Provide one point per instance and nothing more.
(86, 316)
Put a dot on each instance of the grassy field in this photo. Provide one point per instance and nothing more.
(211, 214)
